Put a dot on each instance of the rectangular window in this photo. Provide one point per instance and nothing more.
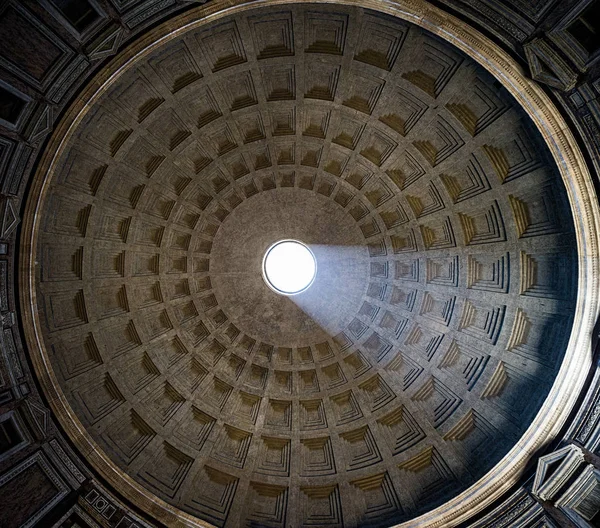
(75, 522)
(11, 106)
(10, 436)
(586, 28)
(79, 13)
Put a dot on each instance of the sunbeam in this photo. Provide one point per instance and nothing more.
(340, 283)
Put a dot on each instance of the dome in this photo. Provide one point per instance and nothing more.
(434, 345)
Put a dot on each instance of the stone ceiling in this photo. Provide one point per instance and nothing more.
(446, 285)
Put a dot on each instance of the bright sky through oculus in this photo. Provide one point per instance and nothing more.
(289, 267)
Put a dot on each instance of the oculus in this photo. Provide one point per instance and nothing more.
(289, 267)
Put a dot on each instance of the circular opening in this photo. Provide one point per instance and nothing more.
(289, 267)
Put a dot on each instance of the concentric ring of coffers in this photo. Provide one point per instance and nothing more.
(466, 260)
